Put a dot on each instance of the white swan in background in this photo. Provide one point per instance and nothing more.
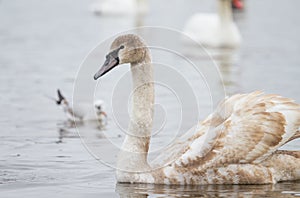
(81, 111)
(119, 7)
(214, 30)
(236, 144)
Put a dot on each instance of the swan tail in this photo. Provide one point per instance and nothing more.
(284, 165)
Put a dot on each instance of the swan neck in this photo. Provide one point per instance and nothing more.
(225, 11)
(133, 155)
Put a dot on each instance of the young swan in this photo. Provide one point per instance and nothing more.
(236, 144)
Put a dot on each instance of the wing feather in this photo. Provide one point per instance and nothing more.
(245, 128)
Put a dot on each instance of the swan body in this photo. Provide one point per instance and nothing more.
(214, 30)
(80, 111)
(119, 7)
(237, 144)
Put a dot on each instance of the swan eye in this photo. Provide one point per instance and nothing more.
(122, 47)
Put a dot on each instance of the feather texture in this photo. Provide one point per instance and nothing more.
(244, 132)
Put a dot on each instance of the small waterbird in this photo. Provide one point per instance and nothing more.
(80, 112)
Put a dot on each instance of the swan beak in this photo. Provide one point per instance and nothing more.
(109, 64)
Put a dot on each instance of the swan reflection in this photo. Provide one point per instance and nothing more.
(290, 189)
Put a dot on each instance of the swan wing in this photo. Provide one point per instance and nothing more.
(178, 147)
(245, 128)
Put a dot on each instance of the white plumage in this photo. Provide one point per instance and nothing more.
(119, 7)
(214, 30)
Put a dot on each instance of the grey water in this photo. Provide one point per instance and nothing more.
(47, 45)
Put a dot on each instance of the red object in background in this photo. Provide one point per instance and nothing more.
(238, 4)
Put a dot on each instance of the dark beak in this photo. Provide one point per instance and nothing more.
(109, 64)
(60, 97)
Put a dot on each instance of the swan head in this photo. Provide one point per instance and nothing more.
(128, 48)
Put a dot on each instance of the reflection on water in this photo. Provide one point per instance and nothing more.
(243, 191)
(70, 129)
(225, 60)
(230, 71)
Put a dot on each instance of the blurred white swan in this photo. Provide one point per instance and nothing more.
(119, 7)
(214, 29)
(82, 111)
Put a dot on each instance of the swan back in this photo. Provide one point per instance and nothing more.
(246, 128)
(237, 143)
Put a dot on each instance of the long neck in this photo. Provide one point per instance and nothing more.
(225, 11)
(133, 154)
